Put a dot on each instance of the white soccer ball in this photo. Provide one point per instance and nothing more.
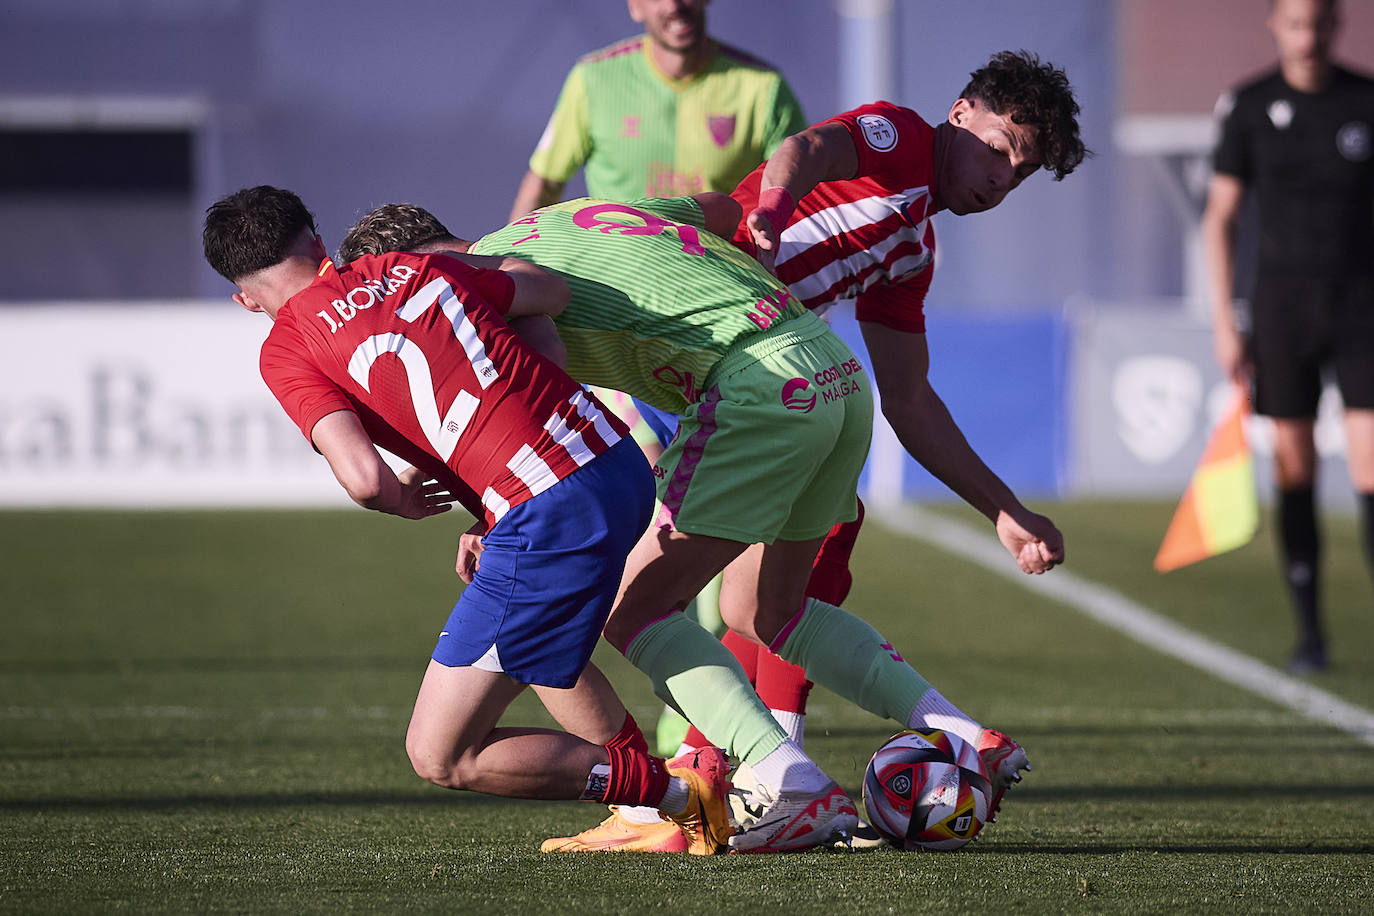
(927, 789)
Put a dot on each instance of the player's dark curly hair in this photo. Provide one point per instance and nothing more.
(1017, 84)
(253, 229)
(392, 227)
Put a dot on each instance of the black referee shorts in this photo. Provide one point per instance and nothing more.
(1302, 326)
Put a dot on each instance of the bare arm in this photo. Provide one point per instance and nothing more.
(534, 192)
(804, 160)
(1224, 196)
(537, 291)
(900, 362)
(720, 211)
(541, 333)
(366, 478)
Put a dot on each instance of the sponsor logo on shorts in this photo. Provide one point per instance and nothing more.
(879, 132)
(1353, 140)
(839, 381)
(793, 397)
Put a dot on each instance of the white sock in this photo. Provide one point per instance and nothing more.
(676, 798)
(934, 711)
(794, 723)
(788, 769)
(641, 814)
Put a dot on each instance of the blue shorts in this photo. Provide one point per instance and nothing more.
(549, 572)
(663, 423)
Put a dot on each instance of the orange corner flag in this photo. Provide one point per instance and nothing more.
(1219, 511)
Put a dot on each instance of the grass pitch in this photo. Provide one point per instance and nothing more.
(204, 712)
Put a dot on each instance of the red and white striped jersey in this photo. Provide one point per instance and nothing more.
(417, 347)
(868, 238)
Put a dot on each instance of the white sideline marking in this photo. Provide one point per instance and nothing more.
(1121, 613)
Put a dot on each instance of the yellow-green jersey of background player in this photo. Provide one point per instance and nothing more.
(641, 134)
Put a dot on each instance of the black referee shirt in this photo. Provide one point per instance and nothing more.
(1309, 159)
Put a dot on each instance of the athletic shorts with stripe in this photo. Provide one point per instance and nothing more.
(549, 572)
(773, 447)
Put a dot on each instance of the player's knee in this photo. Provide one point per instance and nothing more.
(428, 766)
(441, 766)
(773, 616)
(737, 618)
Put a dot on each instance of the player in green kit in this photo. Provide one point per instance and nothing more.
(665, 113)
(776, 418)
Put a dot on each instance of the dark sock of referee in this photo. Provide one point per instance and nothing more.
(1300, 546)
(1367, 529)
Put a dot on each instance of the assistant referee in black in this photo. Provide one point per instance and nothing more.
(1301, 139)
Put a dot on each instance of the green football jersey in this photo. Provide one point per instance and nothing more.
(641, 134)
(656, 300)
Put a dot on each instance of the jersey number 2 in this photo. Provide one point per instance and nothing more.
(443, 432)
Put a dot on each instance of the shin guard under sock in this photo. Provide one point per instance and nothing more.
(781, 685)
(635, 778)
(698, 676)
(846, 655)
(629, 737)
(747, 654)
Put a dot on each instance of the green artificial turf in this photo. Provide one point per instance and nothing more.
(204, 712)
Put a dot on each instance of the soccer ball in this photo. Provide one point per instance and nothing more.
(927, 789)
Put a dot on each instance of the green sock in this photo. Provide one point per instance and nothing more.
(707, 608)
(844, 654)
(693, 672)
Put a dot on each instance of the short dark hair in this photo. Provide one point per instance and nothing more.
(391, 227)
(253, 229)
(1017, 84)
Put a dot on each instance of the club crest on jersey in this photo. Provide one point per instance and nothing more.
(879, 132)
(1280, 113)
(1353, 141)
(793, 397)
(722, 128)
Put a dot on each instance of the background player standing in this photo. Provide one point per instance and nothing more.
(1301, 138)
(667, 113)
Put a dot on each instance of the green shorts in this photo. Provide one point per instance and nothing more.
(773, 447)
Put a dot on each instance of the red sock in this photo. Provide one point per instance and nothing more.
(694, 738)
(743, 650)
(781, 684)
(635, 778)
(830, 575)
(629, 737)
